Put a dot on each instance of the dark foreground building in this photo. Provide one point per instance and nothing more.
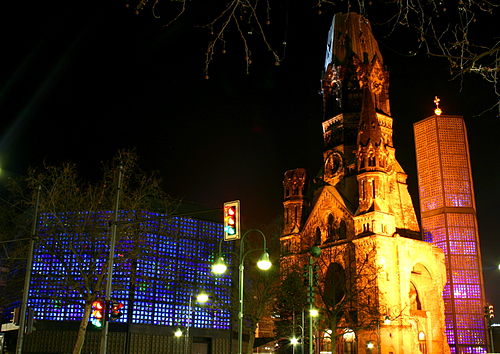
(161, 265)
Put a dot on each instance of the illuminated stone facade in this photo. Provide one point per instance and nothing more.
(373, 265)
(449, 221)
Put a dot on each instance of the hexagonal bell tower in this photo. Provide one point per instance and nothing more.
(379, 285)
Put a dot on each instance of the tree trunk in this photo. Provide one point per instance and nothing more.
(80, 339)
(251, 340)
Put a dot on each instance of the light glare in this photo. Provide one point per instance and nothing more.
(202, 298)
(264, 263)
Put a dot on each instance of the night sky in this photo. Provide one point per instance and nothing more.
(80, 80)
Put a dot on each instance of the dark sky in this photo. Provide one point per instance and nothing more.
(79, 80)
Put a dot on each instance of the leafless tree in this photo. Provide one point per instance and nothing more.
(463, 32)
(348, 292)
(74, 230)
(261, 287)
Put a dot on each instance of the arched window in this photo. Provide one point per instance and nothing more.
(415, 303)
(342, 230)
(335, 284)
(330, 231)
(317, 237)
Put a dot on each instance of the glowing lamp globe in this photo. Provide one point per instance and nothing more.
(219, 267)
(314, 313)
(202, 298)
(264, 263)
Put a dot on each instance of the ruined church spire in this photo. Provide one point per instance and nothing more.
(352, 63)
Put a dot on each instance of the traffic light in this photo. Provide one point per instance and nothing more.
(98, 313)
(232, 220)
(116, 310)
(491, 313)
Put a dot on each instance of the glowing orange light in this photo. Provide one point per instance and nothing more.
(438, 110)
(98, 305)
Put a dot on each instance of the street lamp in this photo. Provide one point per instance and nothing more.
(264, 263)
(313, 312)
(201, 298)
(219, 267)
(349, 338)
(386, 321)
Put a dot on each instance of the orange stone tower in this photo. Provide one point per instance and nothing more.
(449, 221)
(380, 286)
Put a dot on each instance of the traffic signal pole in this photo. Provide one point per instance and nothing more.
(111, 260)
(311, 303)
(27, 278)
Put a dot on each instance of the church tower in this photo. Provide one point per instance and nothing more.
(377, 279)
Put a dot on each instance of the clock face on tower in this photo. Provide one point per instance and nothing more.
(334, 164)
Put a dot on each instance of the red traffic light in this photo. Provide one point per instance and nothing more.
(116, 310)
(98, 313)
(232, 220)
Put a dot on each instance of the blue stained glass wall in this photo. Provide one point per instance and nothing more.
(161, 264)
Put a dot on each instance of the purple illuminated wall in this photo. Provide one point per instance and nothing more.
(449, 221)
(171, 264)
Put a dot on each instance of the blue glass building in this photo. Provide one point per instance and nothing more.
(161, 264)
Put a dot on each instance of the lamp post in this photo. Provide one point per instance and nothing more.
(264, 264)
(315, 253)
(386, 321)
(295, 341)
(349, 338)
(201, 298)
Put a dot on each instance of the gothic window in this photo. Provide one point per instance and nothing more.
(373, 189)
(317, 237)
(415, 303)
(342, 230)
(371, 161)
(335, 284)
(285, 247)
(363, 189)
(330, 231)
(422, 343)
(361, 163)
